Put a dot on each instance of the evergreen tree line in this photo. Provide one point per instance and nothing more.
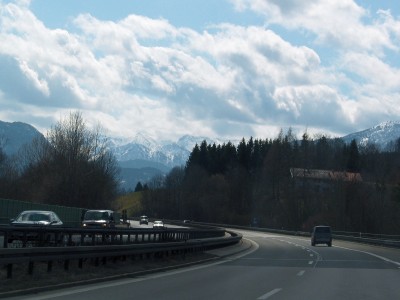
(252, 181)
(72, 166)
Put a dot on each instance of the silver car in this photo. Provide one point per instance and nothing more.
(36, 219)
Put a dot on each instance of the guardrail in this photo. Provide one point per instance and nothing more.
(185, 241)
(54, 237)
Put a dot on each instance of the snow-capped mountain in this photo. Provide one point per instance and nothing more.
(381, 135)
(141, 158)
(167, 153)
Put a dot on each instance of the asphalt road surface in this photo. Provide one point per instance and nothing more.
(275, 267)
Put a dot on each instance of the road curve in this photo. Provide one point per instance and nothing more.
(279, 267)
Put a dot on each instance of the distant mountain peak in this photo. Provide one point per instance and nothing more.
(380, 135)
(386, 125)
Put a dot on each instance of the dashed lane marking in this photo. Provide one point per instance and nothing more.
(301, 273)
(269, 294)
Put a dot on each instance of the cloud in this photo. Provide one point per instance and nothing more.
(143, 74)
(340, 24)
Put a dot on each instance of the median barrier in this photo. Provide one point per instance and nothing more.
(169, 242)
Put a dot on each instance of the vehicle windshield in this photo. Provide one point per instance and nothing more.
(33, 217)
(96, 215)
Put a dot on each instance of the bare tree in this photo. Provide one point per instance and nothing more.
(73, 166)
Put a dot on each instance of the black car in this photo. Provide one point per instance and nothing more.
(144, 220)
(321, 235)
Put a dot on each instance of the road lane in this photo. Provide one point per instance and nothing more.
(282, 267)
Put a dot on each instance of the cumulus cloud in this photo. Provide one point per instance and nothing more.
(144, 74)
(334, 23)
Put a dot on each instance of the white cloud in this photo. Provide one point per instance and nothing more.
(340, 24)
(143, 74)
(41, 85)
(372, 71)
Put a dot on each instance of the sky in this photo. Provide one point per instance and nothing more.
(223, 69)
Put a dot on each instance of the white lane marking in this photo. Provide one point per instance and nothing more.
(301, 273)
(311, 252)
(372, 254)
(319, 257)
(269, 294)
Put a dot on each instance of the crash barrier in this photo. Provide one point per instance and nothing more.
(369, 238)
(190, 241)
(359, 237)
(21, 236)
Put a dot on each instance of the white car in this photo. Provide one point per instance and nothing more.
(158, 225)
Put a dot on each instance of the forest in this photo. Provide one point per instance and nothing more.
(251, 184)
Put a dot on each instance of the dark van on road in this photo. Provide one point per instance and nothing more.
(99, 219)
(321, 235)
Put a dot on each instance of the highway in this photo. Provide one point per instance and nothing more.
(275, 267)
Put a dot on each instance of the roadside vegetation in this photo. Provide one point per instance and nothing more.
(130, 202)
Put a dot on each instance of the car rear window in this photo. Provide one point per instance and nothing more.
(323, 229)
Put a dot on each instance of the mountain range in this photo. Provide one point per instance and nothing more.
(141, 158)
